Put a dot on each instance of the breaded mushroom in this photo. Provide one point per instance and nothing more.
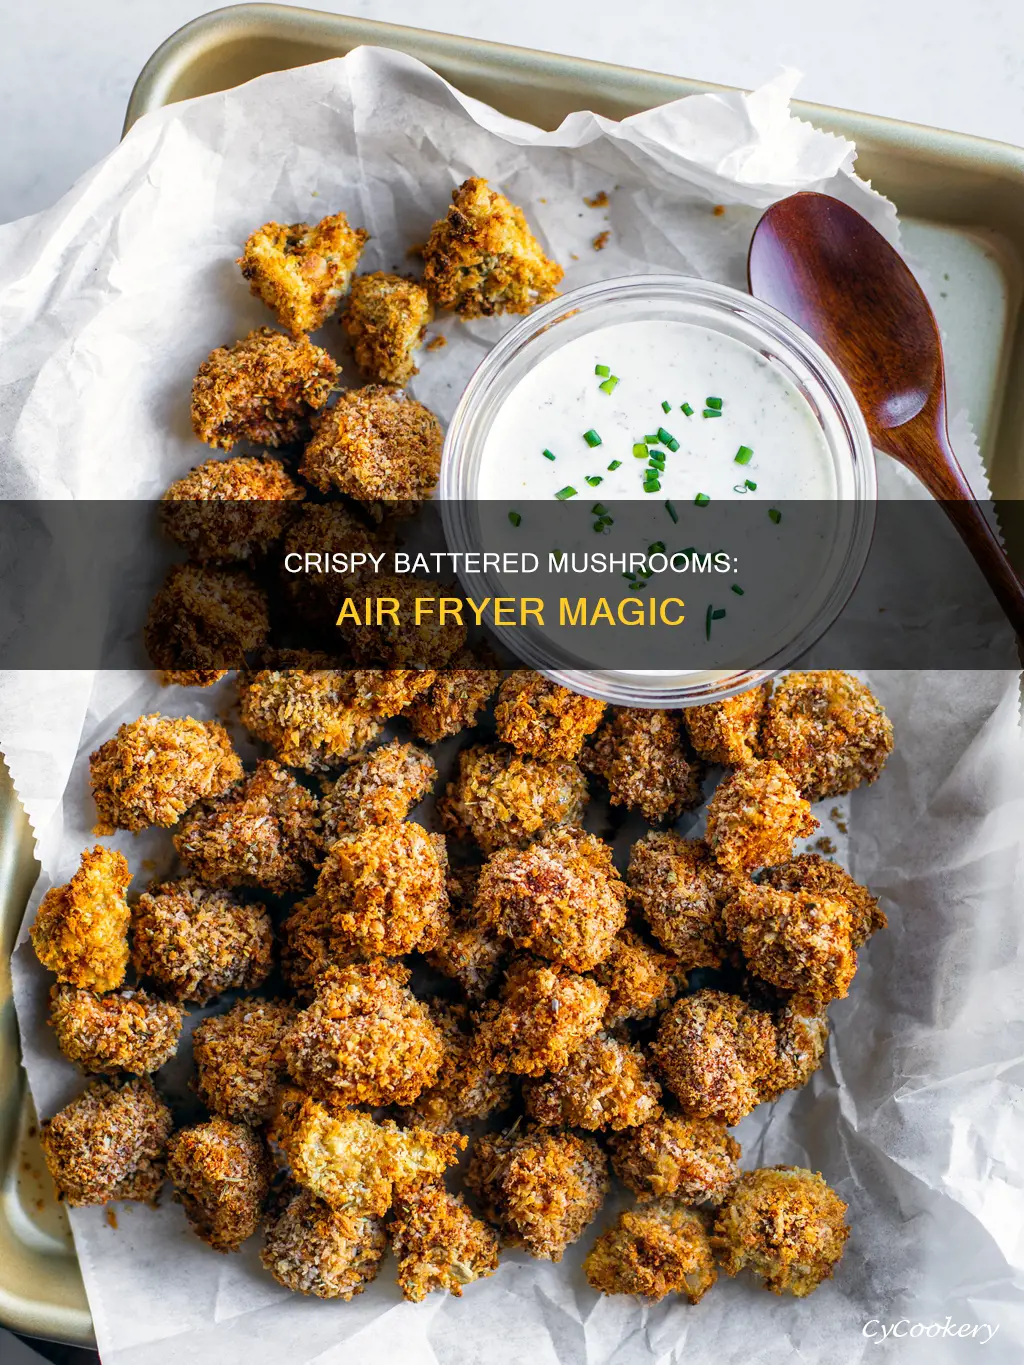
(540, 718)
(604, 1084)
(467, 1086)
(829, 732)
(694, 1160)
(501, 798)
(483, 259)
(639, 979)
(395, 639)
(230, 511)
(302, 272)
(386, 320)
(541, 1189)
(239, 1059)
(196, 943)
(467, 951)
(545, 1014)
(817, 875)
(81, 928)
(125, 1030)
(311, 718)
(795, 940)
(309, 945)
(727, 731)
(456, 696)
(203, 619)
(755, 816)
(801, 1028)
(108, 1143)
(676, 886)
(264, 389)
(785, 1225)
(312, 1249)
(438, 1242)
(657, 1248)
(641, 756)
(221, 1173)
(326, 534)
(262, 832)
(377, 788)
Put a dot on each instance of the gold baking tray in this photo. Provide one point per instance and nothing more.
(966, 194)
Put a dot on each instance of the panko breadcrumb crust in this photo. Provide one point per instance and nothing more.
(545, 1013)
(308, 946)
(728, 731)
(204, 618)
(540, 718)
(641, 756)
(377, 788)
(125, 1030)
(230, 511)
(658, 1248)
(814, 874)
(81, 928)
(301, 272)
(221, 1173)
(500, 797)
(386, 320)
(604, 1084)
(310, 1248)
(311, 717)
(467, 1087)
(455, 697)
(239, 1059)
(325, 528)
(795, 940)
(755, 816)
(640, 980)
(439, 1244)
(108, 1143)
(400, 643)
(679, 890)
(694, 1160)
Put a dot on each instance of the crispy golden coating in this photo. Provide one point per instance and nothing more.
(331, 529)
(639, 979)
(365, 1039)
(641, 756)
(785, 1225)
(658, 1248)
(801, 1029)
(377, 788)
(694, 1160)
(545, 1014)
(727, 731)
(264, 389)
(455, 698)
(812, 873)
(240, 1061)
(81, 928)
(204, 619)
(796, 940)
(828, 731)
(108, 1143)
(221, 1173)
(309, 945)
(191, 677)
(312, 718)
(301, 272)
(156, 767)
(438, 1242)
(262, 832)
(230, 511)
(501, 798)
(466, 951)
(196, 943)
(398, 641)
(386, 319)
(127, 1030)
(311, 1249)
(541, 1189)
(755, 816)
(561, 897)
(538, 717)
(604, 1084)
(676, 886)
(467, 1086)
(483, 259)
(715, 1052)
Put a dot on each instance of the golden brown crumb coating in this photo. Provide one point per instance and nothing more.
(190, 677)
(639, 979)
(676, 886)
(483, 259)
(786, 1226)
(126, 1030)
(714, 1052)
(156, 767)
(230, 511)
(377, 788)
(196, 943)
(398, 641)
(311, 1249)
(365, 1039)
(263, 389)
(456, 697)
(796, 940)
(694, 1160)
(801, 1028)
(204, 618)
(604, 1084)
(541, 1189)
(545, 1014)
(309, 945)
(240, 1061)
(501, 798)
(438, 1242)
(641, 756)
(301, 272)
(386, 319)
(108, 1143)
(828, 730)
(755, 816)
(262, 832)
(221, 1173)
(467, 1086)
(326, 529)
(538, 717)
(727, 731)
(817, 875)
(658, 1248)
(561, 897)
(466, 951)
(312, 718)
(81, 928)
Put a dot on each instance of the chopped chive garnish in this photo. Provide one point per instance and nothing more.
(615, 464)
(607, 385)
(673, 445)
(718, 614)
(657, 547)
(599, 509)
(666, 406)
(672, 512)
(547, 455)
(775, 515)
(595, 479)
(652, 487)
(639, 451)
(603, 370)
(599, 525)
(515, 518)
(657, 460)
(743, 456)
(713, 403)
(627, 575)
(567, 492)
(701, 500)
(591, 437)
(749, 483)
(737, 590)
(652, 440)
(686, 410)
(711, 412)
(635, 587)
(690, 550)
(665, 437)
(707, 622)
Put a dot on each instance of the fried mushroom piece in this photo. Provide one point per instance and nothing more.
(326, 529)
(301, 272)
(541, 1189)
(829, 732)
(108, 1143)
(309, 945)
(785, 1225)
(263, 389)
(715, 1052)
(482, 258)
(126, 1030)
(639, 979)
(311, 1249)
(795, 940)
(196, 943)
(438, 1242)
(156, 767)
(818, 876)
(377, 788)
(755, 816)
(397, 641)
(80, 931)
(694, 1160)
(311, 717)
(545, 1014)
(539, 718)
(263, 832)
(386, 320)
(727, 731)
(679, 890)
(230, 511)
(204, 619)
(466, 951)
(455, 698)
(641, 757)
(221, 1173)
(467, 1086)
(240, 1061)
(801, 1028)
(658, 1248)
(501, 798)
(604, 1084)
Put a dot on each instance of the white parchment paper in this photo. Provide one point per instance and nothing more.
(108, 304)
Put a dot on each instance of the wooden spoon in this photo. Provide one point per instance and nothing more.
(822, 264)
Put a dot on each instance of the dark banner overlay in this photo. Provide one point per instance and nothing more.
(641, 585)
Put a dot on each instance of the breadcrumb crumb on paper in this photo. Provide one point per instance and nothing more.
(80, 931)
